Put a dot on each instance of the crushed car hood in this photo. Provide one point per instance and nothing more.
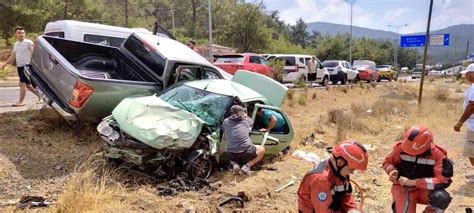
(156, 123)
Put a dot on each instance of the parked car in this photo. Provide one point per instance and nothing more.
(340, 71)
(179, 130)
(84, 81)
(387, 72)
(296, 67)
(404, 70)
(416, 73)
(367, 70)
(91, 32)
(245, 61)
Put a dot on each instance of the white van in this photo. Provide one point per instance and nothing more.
(297, 65)
(90, 32)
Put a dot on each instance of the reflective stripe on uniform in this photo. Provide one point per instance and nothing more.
(422, 161)
(429, 183)
(339, 188)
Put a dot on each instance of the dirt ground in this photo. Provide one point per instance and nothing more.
(41, 155)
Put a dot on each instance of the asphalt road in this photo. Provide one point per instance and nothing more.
(10, 95)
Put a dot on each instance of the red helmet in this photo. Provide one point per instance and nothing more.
(353, 152)
(416, 140)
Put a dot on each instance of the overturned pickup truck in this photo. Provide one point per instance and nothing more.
(84, 81)
(179, 131)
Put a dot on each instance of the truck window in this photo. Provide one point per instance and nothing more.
(55, 34)
(103, 40)
(145, 54)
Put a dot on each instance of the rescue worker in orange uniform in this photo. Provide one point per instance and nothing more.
(326, 187)
(420, 171)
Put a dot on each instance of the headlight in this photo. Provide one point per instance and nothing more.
(105, 129)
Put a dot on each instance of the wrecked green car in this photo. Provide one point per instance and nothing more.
(178, 132)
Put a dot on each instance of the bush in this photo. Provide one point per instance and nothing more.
(290, 94)
(301, 82)
(441, 94)
(302, 97)
(278, 69)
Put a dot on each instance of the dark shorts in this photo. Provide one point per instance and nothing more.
(243, 157)
(21, 74)
(311, 76)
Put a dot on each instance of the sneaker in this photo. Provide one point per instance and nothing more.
(235, 167)
(245, 169)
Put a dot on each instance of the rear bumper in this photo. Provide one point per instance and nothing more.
(337, 77)
(49, 97)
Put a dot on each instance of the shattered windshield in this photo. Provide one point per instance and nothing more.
(208, 106)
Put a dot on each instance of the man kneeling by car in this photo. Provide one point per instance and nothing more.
(240, 149)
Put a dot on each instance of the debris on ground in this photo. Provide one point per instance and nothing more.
(311, 140)
(286, 186)
(31, 202)
(310, 156)
(239, 198)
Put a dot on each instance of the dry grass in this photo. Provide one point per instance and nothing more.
(303, 97)
(441, 94)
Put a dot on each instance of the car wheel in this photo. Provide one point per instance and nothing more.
(369, 80)
(356, 79)
(201, 168)
(344, 80)
(325, 81)
(413, 78)
(396, 78)
(379, 79)
(390, 78)
(334, 82)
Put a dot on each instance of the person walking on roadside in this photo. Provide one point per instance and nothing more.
(192, 45)
(22, 51)
(420, 171)
(240, 150)
(312, 70)
(326, 187)
(468, 118)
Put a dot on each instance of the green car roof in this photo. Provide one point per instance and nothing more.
(226, 87)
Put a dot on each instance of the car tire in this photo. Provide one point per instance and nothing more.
(334, 82)
(325, 81)
(356, 79)
(413, 78)
(379, 79)
(369, 80)
(344, 80)
(396, 78)
(390, 78)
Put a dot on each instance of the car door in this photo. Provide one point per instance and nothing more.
(319, 70)
(272, 90)
(274, 141)
(254, 62)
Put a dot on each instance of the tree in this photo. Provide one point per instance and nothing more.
(298, 33)
(246, 30)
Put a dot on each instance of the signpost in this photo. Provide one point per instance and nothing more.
(420, 40)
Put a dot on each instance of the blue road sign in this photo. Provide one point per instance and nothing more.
(471, 55)
(419, 40)
(412, 41)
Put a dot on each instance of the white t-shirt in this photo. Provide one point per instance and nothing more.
(23, 50)
(469, 96)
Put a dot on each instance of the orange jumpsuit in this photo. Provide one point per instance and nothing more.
(431, 170)
(322, 191)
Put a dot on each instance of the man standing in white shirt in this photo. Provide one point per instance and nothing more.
(22, 51)
(468, 117)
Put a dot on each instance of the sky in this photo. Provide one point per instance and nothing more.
(377, 14)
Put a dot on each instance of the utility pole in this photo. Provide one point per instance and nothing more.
(210, 31)
(395, 48)
(172, 21)
(425, 54)
(467, 50)
(350, 38)
(126, 13)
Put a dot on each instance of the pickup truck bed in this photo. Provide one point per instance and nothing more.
(58, 64)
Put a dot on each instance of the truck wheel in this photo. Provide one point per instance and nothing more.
(344, 80)
(325, 81)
